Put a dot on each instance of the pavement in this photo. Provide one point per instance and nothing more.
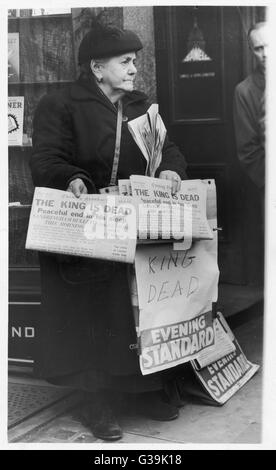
(55, 413)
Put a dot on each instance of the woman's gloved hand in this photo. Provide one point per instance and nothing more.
(173, 177)
(77, 187)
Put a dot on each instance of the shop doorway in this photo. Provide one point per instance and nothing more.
(201, 55)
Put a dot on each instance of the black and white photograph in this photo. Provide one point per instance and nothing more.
(138, 245)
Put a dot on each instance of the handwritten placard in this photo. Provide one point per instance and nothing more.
(176, 290)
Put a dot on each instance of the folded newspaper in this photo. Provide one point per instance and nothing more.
(166, 216)
(108, 226)
(149, 133)
(222, 371)
(93, 226)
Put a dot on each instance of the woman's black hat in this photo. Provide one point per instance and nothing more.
(107, 41)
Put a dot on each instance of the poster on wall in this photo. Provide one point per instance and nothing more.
(15, 120)
(197, 64)
(13, 57)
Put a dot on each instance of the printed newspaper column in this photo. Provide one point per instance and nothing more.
(223, 345)
(124, 188)
(193, 196)
(176, 290)
(222, 375)
(153, 198)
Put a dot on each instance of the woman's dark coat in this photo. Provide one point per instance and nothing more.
(86, 316)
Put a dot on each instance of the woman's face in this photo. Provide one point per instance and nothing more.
(118, 73)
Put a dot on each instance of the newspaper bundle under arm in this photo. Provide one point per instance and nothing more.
(149, 133)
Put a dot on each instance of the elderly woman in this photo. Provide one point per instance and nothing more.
(86, 330)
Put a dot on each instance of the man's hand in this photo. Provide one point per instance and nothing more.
(77, 187)
(173, 177)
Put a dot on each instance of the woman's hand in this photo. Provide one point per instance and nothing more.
(173, 177)
(77, 187)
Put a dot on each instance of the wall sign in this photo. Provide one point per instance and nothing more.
(196, 64)
(23, 318)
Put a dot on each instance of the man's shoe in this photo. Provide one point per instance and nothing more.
(103, 423)
(153, 406)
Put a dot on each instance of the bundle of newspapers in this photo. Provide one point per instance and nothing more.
(141, 209)
(110, 226)
(149, 133)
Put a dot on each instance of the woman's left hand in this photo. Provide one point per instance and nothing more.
(173, 177)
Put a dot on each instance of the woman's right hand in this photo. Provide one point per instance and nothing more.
(77, 187)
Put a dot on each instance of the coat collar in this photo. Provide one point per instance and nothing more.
(86, 90)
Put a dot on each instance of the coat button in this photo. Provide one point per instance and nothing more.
(125, 118)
